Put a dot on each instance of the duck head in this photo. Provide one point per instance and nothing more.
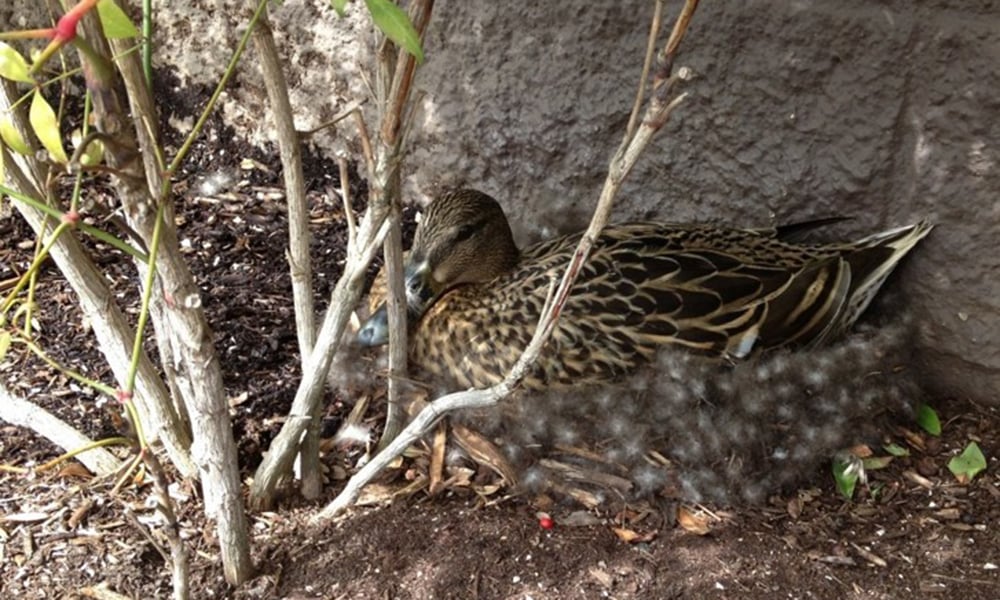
(463, 238)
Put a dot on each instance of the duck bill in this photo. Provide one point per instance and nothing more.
(375, 330)
(419, 288)
(419, 296)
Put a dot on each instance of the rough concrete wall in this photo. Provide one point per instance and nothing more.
(886, 111)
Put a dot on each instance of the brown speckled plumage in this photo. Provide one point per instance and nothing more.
(717, 291)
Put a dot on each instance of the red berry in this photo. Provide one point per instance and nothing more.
(546, 522)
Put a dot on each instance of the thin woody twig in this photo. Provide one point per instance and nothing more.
(420, 14)
(347, 112)
(396, 304)
(178, 554)
(647, 63)
(345, 194)
(366, 143)
(673, 43)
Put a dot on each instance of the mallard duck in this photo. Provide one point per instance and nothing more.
(474, 298)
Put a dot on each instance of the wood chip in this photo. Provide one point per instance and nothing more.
(949, 514)
(584, 497)
(577, 473)
(919, 479)
(794, 508)
(436, 471)
(580, 518)
(375, 493)
(869, 556)
(843, 561)
(993, 490)
(80, 514)
(27, 517)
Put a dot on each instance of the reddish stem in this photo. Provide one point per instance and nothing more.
(65, 29)
(71, 217)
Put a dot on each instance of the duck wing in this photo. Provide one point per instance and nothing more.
(715, 291)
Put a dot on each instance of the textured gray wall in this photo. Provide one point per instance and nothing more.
(886, 111)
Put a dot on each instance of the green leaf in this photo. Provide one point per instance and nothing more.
(46, 126)
(115, 22)
(896, 450)
(4, 344)
(968, 464)
(340, 6)
(12, 65)
(928, 419)
(11, 136)
(847, 470)
(396, 26)
(875, 463)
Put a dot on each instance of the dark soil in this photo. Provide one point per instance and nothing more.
(914, 532)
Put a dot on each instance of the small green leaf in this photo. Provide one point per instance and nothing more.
(340, 6)
(396, 26)
(848, 469)
(896, 450)
(4, 344)
(874, 463)
(46, 126)
(928, 419)
(12, 65)
(968, 464)
(11, 135)
(115, 22)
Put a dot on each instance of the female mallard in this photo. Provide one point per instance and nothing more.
(475, 299)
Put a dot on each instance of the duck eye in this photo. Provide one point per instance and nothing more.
(465, 232)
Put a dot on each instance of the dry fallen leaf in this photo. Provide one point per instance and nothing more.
(484, 452)
(75, 469)
(697, 524)
(630, 536)
(861, 450)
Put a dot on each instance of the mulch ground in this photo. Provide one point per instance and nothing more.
(913, 532)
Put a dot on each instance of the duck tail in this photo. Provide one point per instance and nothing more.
(872, 260)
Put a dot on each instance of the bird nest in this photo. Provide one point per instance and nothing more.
(682, 428)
